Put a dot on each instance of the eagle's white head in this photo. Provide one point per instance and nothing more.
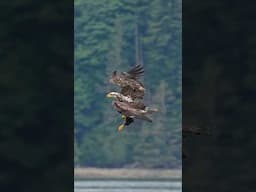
(113, 95)
(119, 96)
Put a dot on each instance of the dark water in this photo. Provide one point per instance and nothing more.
(128, 186)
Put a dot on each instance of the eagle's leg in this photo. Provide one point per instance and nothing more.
(121, 127)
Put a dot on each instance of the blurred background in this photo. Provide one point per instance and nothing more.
(218, 89)
(116, 35)
(36, 106)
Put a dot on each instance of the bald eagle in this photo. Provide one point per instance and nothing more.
(128, 101)
(130, 109)
(129, 82)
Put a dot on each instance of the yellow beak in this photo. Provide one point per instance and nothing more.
(109, 95)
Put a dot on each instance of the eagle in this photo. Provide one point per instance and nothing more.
(128, 101)
(129, 82)
(130, 110)
(134, 104)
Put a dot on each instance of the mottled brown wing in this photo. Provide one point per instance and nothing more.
(136, 72)
(123, 108)
(129, 111)
(133, 93)
(138, 105)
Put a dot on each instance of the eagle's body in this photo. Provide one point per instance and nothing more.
(134, 111)
(128, 101)
(131, 109)
(122, 98)
(129, 83)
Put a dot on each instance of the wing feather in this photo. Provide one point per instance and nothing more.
(127, 110)
(136, 72)
(129, 83)
(133, 93)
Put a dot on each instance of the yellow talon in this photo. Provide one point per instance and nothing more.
(123, 117)
(121, 127)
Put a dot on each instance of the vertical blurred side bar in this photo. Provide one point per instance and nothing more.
(219, 94)
(36, 135)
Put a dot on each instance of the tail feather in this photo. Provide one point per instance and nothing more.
(146, 118)
(151, 110)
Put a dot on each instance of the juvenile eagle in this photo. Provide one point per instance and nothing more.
(130, 109)
(127, 102)
(130, 102)
(129, 82)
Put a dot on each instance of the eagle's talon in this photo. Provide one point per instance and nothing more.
(123, 117)
(121, 127)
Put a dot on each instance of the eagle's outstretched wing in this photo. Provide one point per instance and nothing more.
(135, 73)
(129, 83)
(130, 111)
(132, 93)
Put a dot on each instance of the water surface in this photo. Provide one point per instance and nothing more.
(127, 186)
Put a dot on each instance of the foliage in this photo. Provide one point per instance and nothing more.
(115, 35)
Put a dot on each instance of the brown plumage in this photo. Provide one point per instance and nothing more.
(128, 101)
(135, 104)
(135, 111)
(129, 83)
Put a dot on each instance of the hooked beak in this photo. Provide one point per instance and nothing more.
(109, 95)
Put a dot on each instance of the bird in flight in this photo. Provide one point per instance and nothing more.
(129, 101)
(129, 82)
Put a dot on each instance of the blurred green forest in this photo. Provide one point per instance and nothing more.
(115, 35)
